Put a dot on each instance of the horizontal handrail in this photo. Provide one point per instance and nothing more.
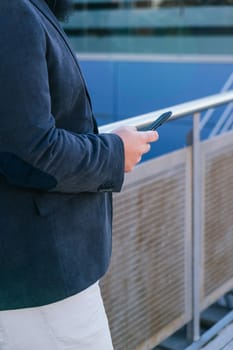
(179, 111)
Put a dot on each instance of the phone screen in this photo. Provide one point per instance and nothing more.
(160, 120)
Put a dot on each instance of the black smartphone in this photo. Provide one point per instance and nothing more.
(159, 121)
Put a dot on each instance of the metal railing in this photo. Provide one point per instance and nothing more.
(226, 120)
(178, 111)
(186, 109)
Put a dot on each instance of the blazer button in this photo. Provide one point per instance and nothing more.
(106, 187)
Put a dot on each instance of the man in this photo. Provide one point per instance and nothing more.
(56, 178)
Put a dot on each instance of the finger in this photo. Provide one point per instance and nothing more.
(149, 136)
(146, 148)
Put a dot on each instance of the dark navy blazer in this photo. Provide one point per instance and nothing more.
(56, 172)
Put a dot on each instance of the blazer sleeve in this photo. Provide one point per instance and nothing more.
(34, 153)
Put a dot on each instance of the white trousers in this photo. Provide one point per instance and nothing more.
(76, 323)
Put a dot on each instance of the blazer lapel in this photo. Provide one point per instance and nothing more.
(42, 6)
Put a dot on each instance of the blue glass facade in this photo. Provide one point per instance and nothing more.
(152, 26)
(143, 55)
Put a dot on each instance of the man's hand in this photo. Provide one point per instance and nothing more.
(136, 143)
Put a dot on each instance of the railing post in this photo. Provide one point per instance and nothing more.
(193, 332)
